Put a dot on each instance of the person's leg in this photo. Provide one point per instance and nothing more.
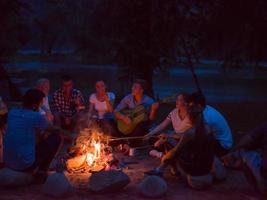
(82, 122)
(167, 160)
(219, 150)
(140, 130)
(218, 170)
(46, 151)
(252, 162)
(109, 128)
(58, 119)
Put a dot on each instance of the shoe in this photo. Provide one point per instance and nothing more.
(156, 153)
(154, 172)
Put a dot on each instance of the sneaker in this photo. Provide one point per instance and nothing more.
(156, 153)
(153, 172)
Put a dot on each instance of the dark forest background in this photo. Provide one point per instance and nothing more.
(139, 36)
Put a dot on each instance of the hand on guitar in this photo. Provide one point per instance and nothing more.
(155, 106)
(106, 98)
(126, 120)
(162, 139)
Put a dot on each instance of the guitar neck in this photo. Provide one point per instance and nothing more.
(168, 99)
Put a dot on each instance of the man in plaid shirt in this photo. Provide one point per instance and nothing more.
(67, 104)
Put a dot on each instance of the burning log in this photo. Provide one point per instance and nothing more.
(91, 153)
(76, 162)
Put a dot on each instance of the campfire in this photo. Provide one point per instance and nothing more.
(91, 153)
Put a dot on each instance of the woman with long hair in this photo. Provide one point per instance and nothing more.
(193, 154)
(180, 121)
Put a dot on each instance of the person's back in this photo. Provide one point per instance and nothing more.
(223, 137)
(20, 138)
(196, 155)
(220, 126)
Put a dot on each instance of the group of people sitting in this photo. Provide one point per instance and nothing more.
(194, 150)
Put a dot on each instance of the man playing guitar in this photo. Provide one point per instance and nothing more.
(147, 112)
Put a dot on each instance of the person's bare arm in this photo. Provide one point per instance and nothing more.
(52, 129)
(117, 112)
(91, 109)
(109, 104)
(153, 112)
(122, 117)
(183, 140)
(159, 128)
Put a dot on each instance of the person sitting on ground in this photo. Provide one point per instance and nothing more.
(252, 149)
(24, 149)
(44, 86)
(101, 108)
(3, 119)
(193, 154)
(180, 123)
(222, 132)
(68, 104)
(131, 101)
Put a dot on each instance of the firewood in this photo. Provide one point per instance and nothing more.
(76, 162)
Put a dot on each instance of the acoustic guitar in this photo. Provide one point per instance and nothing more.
(137, 115)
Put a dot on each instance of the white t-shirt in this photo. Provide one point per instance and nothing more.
(101, 106)
(45, 107)
(219, 125)
(179, 125)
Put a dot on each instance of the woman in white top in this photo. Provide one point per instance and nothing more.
(101, 107)
(180, 121)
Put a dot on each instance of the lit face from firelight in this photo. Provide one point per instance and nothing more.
(45, 88)
(67, 86)
(100, 87)
(137, 89)
(180, 102)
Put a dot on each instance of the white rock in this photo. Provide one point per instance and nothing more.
(11, 178)
(57, 185)
(153, 187)
(108, 181)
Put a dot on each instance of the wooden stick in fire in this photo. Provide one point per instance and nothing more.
(128, 138)
(141, 137)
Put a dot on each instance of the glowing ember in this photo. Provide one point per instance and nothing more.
(93, 158)
(90, 159)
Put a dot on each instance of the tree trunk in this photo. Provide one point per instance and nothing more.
(190, 64)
